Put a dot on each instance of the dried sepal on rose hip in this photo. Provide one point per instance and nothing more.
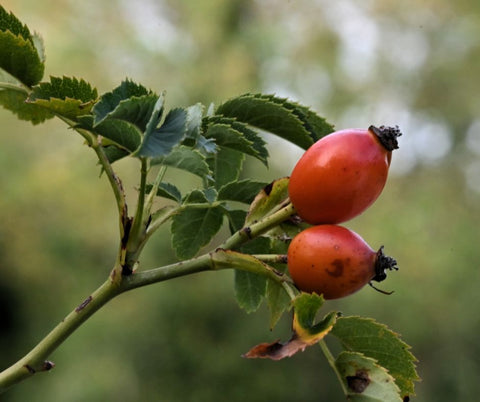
(334, 261)
(342, 174)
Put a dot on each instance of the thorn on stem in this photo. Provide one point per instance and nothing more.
(48, 365)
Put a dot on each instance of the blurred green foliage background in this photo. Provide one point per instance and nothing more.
(411, 63)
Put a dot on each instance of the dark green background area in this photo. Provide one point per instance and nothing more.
(410, 63)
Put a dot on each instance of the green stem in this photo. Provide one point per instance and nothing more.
(182, 268)
(271, 258)
(137, 233)
(256, 229)
(35, 361)
(153, 191)
(115, 184)
(331, 362)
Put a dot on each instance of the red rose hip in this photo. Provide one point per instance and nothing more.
(334, 261)
(342, 174)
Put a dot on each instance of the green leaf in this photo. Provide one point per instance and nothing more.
(317, 126)
(233, 134)
(68, 97)
(115, 153)
(185, 158)
(236, 219)
(9, 22)
(14, 101)
(136, 110)
(263, 113)
(250, 283)
(168, 190)
(269, 198)
(241, 191)
(121, 132)
(159, 142)
(278, 301)
(129, 101)
(226, 165)
(249, 290)
(194, 227)
(194, 120)
(19, 56)
(365, 380)
(377, 341)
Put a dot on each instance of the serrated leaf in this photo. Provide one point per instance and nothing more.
(14, 101)
(159, 142)
(317, 126)
(269, 198)
(228, 137)
(249, 290)
(263, 113)
(233, 134)
(68, 97)
(365, 380)
(242, 191)
(185, 158)
(124, 97)
(278, 301)
(236, 219)
(194, 227)
(115, 153)
(250, 286)
(9, 22)
(168, 190)
(136, 110)
(65, 88)
(120, 132)
(377, 341)
(19, 58)
(226, 165)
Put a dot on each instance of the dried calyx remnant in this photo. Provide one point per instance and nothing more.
(387, 136)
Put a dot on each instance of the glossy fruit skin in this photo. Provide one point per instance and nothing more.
(331, 260)
(341, 175)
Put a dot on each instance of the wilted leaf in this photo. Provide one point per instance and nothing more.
(269, 198)
(305, 331)
(365, 380)
(377, 341)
